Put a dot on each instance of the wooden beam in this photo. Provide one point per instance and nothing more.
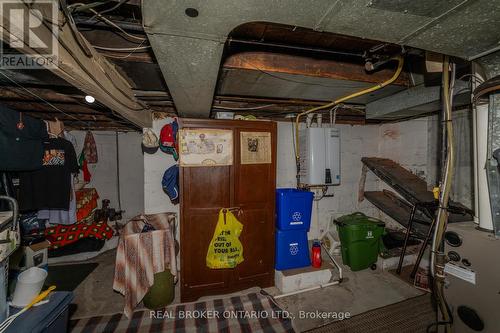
(307, 66)
(44, 108)
(16, 93)
(83, 118)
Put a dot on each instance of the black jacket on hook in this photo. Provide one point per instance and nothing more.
(20, 149)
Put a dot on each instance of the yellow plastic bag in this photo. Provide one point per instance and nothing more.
(225, 249)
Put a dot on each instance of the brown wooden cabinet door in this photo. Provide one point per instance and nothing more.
(204, 191)
(254, 189)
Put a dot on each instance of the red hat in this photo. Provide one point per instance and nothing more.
(168, 140)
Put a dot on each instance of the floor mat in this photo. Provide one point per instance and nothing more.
(409, 316)
(254, 312)
(68, 277)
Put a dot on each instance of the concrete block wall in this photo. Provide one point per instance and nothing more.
(404, 142)
(155, 199)
(355, 141)
(104, 172)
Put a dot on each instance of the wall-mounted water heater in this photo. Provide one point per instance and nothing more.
(319, 156)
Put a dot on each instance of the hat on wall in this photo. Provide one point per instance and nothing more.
(149, 141)
(170, 183)
(168, 139)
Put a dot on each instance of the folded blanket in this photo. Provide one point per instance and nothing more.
(63, 235)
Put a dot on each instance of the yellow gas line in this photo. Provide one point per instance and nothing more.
(343, 99)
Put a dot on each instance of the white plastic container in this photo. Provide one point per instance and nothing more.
(29, 284)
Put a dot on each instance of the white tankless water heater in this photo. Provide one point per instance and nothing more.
(319, 156)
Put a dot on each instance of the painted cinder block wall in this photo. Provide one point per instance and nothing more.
(404, 142)
(104, 172)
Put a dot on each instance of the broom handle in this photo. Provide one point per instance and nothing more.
(40, 297)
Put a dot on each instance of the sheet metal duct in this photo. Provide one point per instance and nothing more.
(188, 36)
(488, 145)
(415, 101)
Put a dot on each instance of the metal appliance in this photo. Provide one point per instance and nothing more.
(319, 156)
(473, 278)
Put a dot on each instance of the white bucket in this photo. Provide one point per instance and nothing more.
(29, 284)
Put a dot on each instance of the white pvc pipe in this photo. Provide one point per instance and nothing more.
(483, 197)
(307, 289)
(476, 174)
(474, 84)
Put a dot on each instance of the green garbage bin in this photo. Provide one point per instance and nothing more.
(360, 238)
(161, 292)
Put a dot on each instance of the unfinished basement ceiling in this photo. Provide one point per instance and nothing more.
(190, 44)
(42, 94)
(302, 61)
(210, 62)
(294, 67)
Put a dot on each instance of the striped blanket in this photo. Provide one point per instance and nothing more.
(140, 255)
(254, 312)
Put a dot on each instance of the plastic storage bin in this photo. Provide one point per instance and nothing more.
(360, 238)
(293, 209)
(292, 249)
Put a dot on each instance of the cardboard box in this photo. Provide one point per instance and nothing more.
(35, 255)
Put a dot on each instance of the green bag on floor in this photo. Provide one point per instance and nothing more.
(161, 292)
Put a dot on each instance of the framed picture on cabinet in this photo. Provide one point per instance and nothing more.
(205, 147)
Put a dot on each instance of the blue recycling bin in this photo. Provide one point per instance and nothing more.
(292, 250)
(293, 209)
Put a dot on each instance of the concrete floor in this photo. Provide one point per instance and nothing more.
(95, 295)
(359, 292)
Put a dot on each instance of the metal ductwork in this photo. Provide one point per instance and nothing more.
(188, 36)
(414, 101)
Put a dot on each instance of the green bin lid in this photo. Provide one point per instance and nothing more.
(358, 219)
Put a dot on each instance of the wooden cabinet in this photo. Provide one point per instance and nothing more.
(204, 191)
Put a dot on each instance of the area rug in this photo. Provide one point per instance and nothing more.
(68, 277)
(410, 316)
(254, 312)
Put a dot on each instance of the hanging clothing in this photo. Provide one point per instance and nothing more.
(61, 216)
(50, 186)
(71, 138)
(84, 166)
(21, 141)
(90, 148)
